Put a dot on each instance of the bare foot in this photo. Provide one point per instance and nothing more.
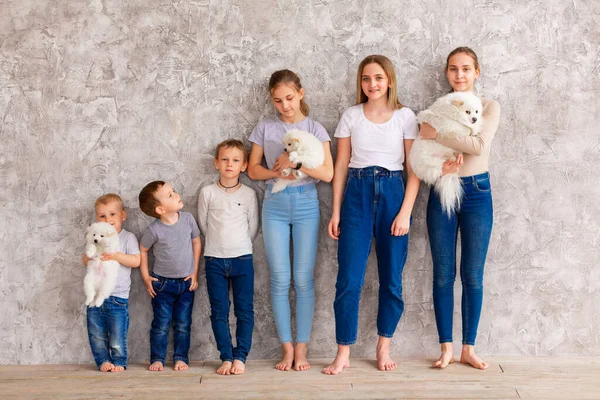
(341, 362)
(468, 356)
(156, 366)
(225, 368)
(180, 366)
(287, 358)
(118, 368)
(300, 361)
(446, 358)
(238, 367)
(384, 361)
(106, 366)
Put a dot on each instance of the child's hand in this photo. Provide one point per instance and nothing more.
(452, 167)
(111, 256)
(148, 282)
(401, 225)
(85, 260)
(194, 283)
(282, 162)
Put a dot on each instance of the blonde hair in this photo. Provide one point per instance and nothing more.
(109, 198)
(287, 77)
(387, 66)
(231, 143)
(466, 50)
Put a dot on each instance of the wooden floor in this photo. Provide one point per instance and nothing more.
(507, 378)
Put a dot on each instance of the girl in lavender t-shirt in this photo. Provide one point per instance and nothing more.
(295, 211)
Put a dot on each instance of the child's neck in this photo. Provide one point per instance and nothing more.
(229, 185)
(170, 218)
(294, 120)
(379, 105)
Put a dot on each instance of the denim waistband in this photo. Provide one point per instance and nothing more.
(475, 178)
(309, 187)
(168, 279)
(373, 171)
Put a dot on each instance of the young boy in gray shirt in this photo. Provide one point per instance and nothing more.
(228, 217)
(174, 238)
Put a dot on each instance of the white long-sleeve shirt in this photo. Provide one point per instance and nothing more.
(228, 221)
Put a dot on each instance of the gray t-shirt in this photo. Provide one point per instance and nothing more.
(229, 221)
(129, 245)
(270, 131)
(172, 246)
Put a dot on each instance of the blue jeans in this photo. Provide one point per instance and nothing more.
(372, 199)
(173, 303)
(107, 330)
(474, 221)
(221, 273)
(294, 210)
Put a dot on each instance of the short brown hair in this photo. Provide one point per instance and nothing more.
(287, 77)
(148, 200)
(109, 198)
(466, 50)
(229, 143)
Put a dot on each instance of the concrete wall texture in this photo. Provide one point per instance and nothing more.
(106, 95)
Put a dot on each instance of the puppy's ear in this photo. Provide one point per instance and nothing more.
(457, 103)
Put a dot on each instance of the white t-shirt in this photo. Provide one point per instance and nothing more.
(373, 144)
(229, 221)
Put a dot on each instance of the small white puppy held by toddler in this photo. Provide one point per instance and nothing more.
(302, 147)
(101, 277)
(454, 115)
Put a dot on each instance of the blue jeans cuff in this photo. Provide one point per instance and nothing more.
(185, 360)
(347, 343)
(385, 335)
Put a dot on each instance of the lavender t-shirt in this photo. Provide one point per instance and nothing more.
(270, 131)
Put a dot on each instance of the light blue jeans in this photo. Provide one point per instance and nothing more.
(295, 211)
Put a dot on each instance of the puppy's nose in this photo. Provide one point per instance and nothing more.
(285, 149)
(95, 240)
(474, 119)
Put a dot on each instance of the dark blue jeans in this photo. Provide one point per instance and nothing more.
(474, 221)
(237, 273)
(107, 330)
(173, 303)
(372, 199)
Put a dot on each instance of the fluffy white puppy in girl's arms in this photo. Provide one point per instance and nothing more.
(304, 149)
(454, 115)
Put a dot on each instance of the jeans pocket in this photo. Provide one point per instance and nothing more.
(483, 185)
(311, 194)
(159, 285)
(119, 301)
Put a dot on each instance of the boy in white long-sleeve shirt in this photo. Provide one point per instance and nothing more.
(228, 218)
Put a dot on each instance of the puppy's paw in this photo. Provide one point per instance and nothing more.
(98, 302)
(286, 172)
(89, 300)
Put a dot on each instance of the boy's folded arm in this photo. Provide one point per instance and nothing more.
(129, 260)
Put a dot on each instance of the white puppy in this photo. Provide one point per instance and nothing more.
(301, 147)
(454, 115)
(101, 277)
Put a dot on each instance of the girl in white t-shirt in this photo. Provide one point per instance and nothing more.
(370, 198)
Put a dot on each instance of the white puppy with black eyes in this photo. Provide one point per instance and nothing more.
(454, 115)
(302, 147)
(101, 277)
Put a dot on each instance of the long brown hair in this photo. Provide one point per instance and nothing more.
(386, 64)
(287, 77)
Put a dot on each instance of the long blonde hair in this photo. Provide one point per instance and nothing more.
(285, 76)
(388, 68)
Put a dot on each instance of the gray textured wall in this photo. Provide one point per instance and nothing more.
(106, 95)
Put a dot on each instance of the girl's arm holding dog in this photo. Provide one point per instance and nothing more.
(128, 260)
(470, 144)
(256, 171)
(342, 161)
(401, 224)
(323, 173)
